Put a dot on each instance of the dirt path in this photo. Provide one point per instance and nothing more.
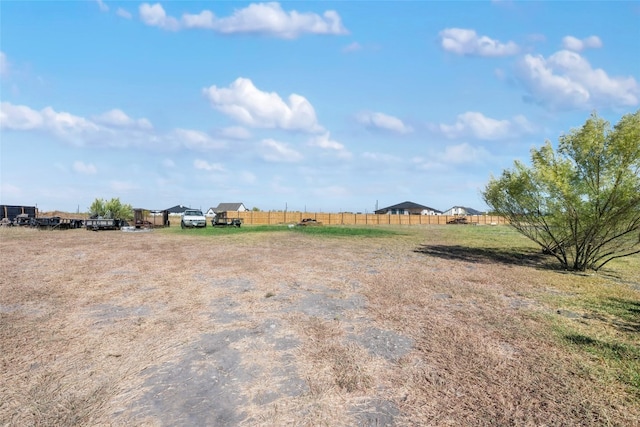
(116, 328)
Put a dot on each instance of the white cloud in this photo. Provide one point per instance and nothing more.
(270, 19)
(4, 64)
(452, 156)
(123, 13)
(326, 143)
(103, 7)
(19, 117)
(566, 80)
(117, 118)
(168, 163)
(274, 151)
(67, 125)
(84, 168)
(248, 105)
(577, 45)
(111, 129)
(477, 125)
(235, 132)
(257, 18)
(424, 164)
(155, 16)
(463, 41)
(123, 186)
(352, 47)
(463, 154)
(380, 157)
(211, 167)
(384, 122)
(205, 19)
(196, 140)
(61, 124)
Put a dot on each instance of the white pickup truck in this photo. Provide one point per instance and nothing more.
(193, 218)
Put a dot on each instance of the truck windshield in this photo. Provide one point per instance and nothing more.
(193, 213)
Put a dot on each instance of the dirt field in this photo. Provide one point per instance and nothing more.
(159, 328)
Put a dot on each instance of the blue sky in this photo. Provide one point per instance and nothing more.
(323, 106)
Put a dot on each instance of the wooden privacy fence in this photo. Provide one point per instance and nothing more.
(273, 218)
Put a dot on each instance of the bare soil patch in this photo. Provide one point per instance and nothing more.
(165, 329)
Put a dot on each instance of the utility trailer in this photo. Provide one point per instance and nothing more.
(143, 218)
(460, 220)
(97, 224)
(57, 223)
(307, 222)
(48, 223)
(222, 220)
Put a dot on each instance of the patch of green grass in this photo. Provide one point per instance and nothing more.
(329, 231)
(625, 311)
(223, 231)
(342, 231)
(605, 336)
(613, 361)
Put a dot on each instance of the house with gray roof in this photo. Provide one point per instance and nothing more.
(461, 210)
(408, 208)
(177, 210)
(226, 207)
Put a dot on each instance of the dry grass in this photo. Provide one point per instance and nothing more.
(166, 328)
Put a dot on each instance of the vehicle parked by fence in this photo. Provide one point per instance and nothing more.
(192, 218)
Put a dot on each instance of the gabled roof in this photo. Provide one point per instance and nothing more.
(225, 207)
(409, 205)
(470, 211)
(177, 209)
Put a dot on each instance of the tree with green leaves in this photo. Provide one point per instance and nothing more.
(111, 209)
(581, 202)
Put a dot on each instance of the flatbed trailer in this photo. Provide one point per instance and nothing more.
(222, 220)
(97, 224)
(49, 223)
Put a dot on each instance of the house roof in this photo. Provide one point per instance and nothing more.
(409, 205)
(225, 207)
(177, 209)
(470, 211)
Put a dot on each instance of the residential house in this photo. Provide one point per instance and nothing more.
(177, 210)
(408, 208)
(227, 207)
(461, 210)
